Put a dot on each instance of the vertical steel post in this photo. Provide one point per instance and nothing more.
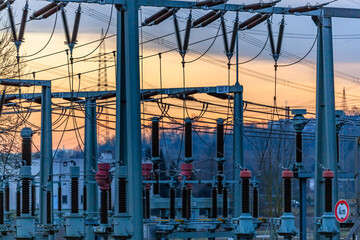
(133, 127)
(238, 146)
(46, 152)
(90, 164)
(326, 147)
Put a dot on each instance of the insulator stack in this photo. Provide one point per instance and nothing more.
(103, 180)
(25, 196)
(18, 201)
(214, 202)
(187, 34)
(287, 177)
(224, 33)
(26, 134)
(211, 19)
(23, 22)
(5, 4)
(164, 17)
(220, 138)
(48, 206)
(54, 10)
(122, 195)
(84, 198)
(172, 209)
(7, 197)
(245, 188)
(109, 198)
(12, 24)
(210, 3)
(188, 139)
(33, 198)
(155, 16)
(233, 37)
(146, 172)
(257, 22)
(255, 204)
(280, 37)
(177, 33)
(203, 18)
(260, 5)
(306, 8)
(155, 154)
(103, 207)
(147, 203)
(59, 197)
(243, 25)
(155, 150)
(328, 176)
(188, 203)
(156, 188)
(43, 10)
(76, 26)
(220, 177)
(271, 38)
(74, 195)
(225, 208)
(65, 25)
(298, 142)
(2, 206)
(184, 200)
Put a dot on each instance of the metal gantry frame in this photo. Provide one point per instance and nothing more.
(128, 132)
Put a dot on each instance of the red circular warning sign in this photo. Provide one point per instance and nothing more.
(342, 211)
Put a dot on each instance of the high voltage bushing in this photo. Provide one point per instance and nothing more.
(220, 153)
(155, 154)
(328, 227)
(74, 222)
(188, 140)
(203, 18)
(172, 196)
(287, 221)
(23, 23)
(186, 174)
(43, 10)
(33, 197)
(122, 222)
(59, 196)
(103, 180)
(211, 19)
(260, 5)
(85, 198)
(245, 228)
(214, 208)
(225, 209)
(255, 202)
(26, 134)
(155, 16)
(146, 173)
(210, 3)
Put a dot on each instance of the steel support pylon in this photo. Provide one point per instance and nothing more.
(90, 166)
(326, 147)
(128, 128)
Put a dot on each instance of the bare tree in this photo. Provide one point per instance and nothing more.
(10, 124)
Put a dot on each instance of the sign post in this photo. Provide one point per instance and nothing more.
(342, 211)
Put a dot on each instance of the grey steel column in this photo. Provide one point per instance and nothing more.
(46, 152)
(237, 136)
(90, 165)
(326, 148)
(238, 146)
(133, 127)
(329, 88)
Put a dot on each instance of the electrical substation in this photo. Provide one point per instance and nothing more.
(157, 181)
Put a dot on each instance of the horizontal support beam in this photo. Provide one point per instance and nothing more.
(100, 94)
(326, 11)
(25, 83)
(191, 235)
